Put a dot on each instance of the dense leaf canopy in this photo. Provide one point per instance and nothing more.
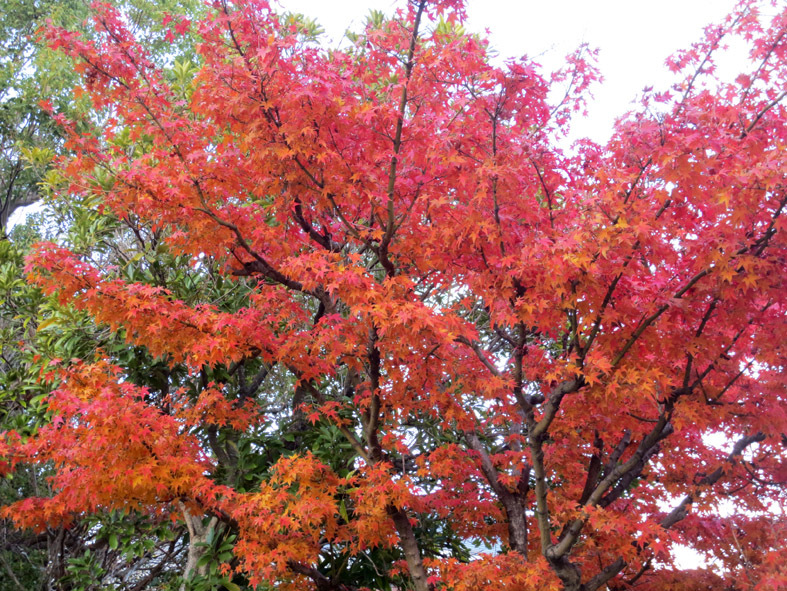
(404, 336)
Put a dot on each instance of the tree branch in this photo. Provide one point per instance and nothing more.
(397, 145)
(514, 508)
(605, 575)
(681, 510)
(321, 582)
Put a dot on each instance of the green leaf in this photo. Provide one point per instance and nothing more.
(343, 511)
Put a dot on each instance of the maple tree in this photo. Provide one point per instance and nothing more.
(512, 349)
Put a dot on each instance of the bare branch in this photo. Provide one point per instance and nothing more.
(605, 575)
(321, 582)
(476, 347)
(682, 509)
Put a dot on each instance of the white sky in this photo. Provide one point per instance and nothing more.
(634, 38)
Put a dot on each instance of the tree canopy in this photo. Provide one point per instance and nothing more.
(369, 323)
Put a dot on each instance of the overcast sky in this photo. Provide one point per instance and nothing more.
(634, 37)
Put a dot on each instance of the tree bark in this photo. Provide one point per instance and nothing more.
(198, 533)
(409, 545)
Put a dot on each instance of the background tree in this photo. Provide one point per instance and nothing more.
(34, 329)
(522, 348)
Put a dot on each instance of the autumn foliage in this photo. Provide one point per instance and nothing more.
(570, 357)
